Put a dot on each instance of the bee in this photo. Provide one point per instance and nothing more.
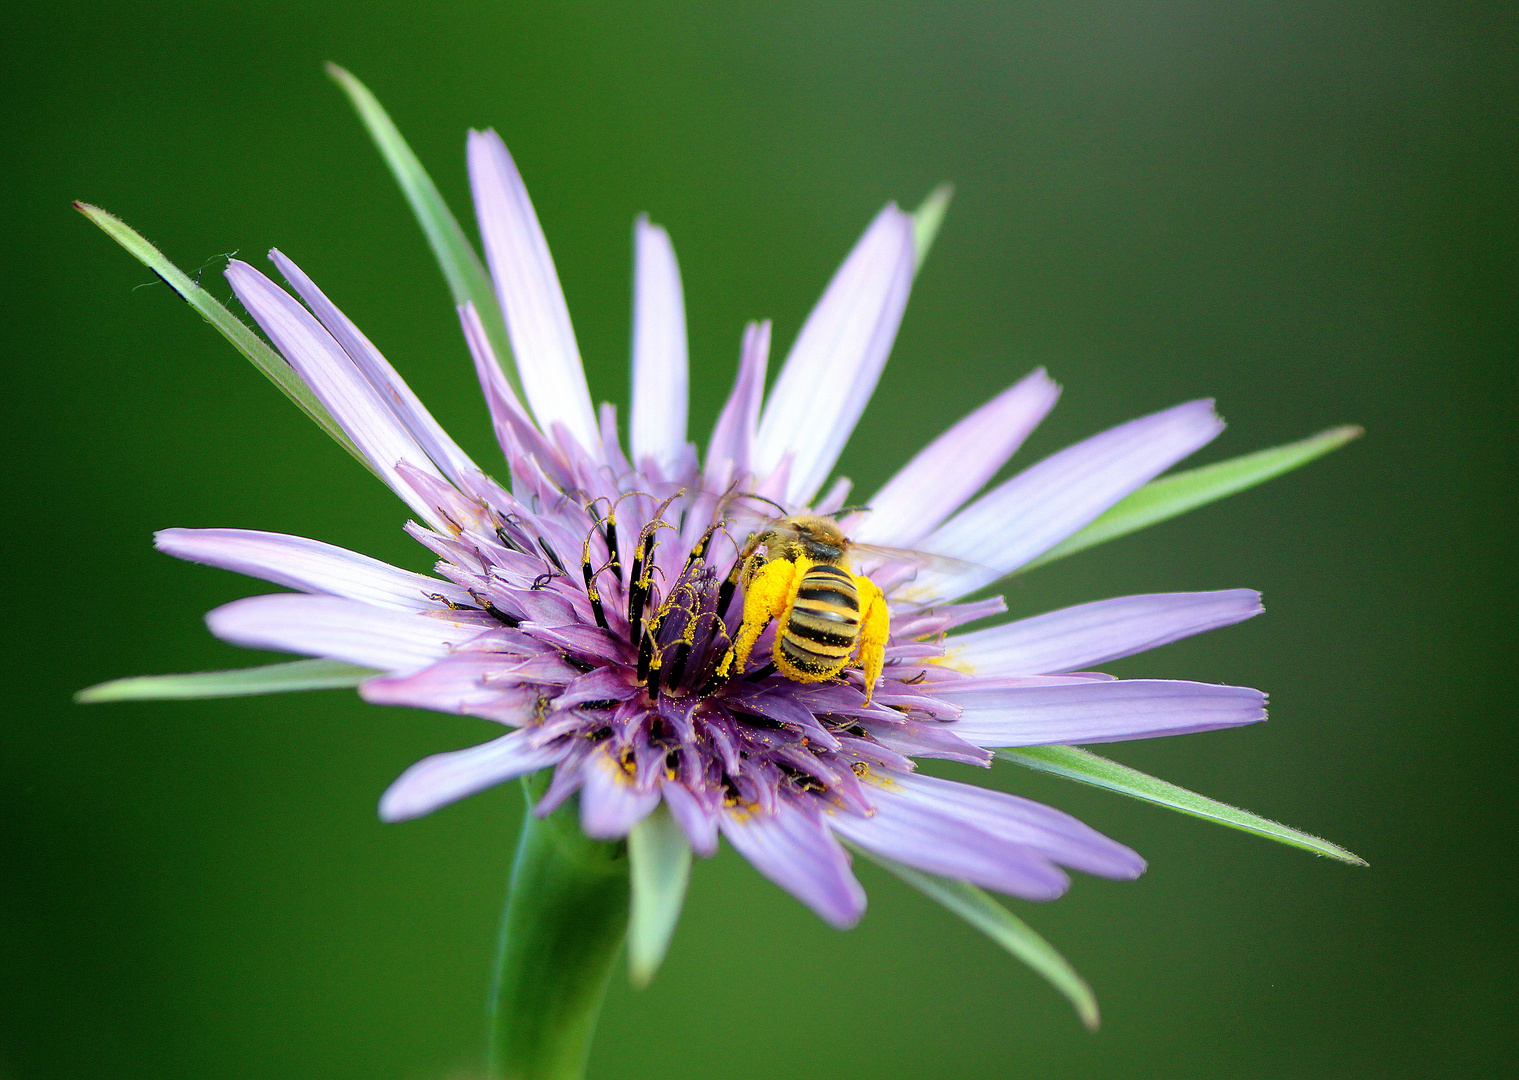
(796, 571)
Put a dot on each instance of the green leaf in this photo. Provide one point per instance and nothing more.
(660, 868)
(269, 679)
(565, 920)
(926, 220)
(1183, 491)
(466, 275)
(1077, 764)
(271, 363)
(1006, 929)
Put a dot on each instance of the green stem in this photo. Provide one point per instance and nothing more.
(566, 917)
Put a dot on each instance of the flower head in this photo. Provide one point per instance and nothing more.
(591, 608)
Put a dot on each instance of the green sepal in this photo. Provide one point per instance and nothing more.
(465, 273)
(926, 220)
(269, 679)
(659, 862)
(1183, 491)
(565, 920)
(1073, 763)
(1002, 926)
(271, 363)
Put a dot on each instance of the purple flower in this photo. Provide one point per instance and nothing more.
(587, 607)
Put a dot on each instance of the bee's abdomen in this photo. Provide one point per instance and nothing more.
(824, 622)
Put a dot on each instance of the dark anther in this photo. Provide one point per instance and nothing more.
(916, 679)
(496, 613)
(608, 703)
(452, 605)
(505, 538)
(552, 554)
(577, 663)
(609, 534)
(601, 734)
(645, 658)
(803, 781)
(678, 664)
(761, 673)
(590, 585)
(638, 590)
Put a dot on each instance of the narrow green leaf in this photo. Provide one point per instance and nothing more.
(926, 220)
(660, 868)
(466, 275)
(271, 363)
(1183, 491)
(269, 679)
(1077, 764)
(1002, 926)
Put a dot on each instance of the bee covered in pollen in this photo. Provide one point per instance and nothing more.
(796, 571)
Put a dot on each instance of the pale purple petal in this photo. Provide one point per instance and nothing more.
(837, 359)
(928, 839)
(548, 360)
(382, 638)
(441, 779)
(658, 420)
(1079, 637)
(381, 375)
(699, 826)
(308, 565)
(609, 803)
(1041, 506)
(954, 466)
(323, 365)
(1053, 833)
(469, 684)
(731, 450)
(1091, 712)
(798, 853)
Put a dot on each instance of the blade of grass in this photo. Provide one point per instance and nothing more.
(1073, 763)
(659, 869)
(1002, 926)
(926, 220)
(1183, 491)
(269, 679)
(465, 273)
(271, 363)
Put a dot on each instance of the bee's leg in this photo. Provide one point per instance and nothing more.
(766, 597)
(875, 628)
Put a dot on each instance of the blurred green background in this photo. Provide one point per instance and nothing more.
(1305, 209)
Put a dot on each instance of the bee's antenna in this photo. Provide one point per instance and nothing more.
(761, 498)
(841, 511)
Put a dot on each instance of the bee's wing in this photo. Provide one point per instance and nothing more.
(905, 556)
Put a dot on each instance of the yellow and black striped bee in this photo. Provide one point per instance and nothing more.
(796, 571)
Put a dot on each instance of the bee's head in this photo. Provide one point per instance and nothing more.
(818, 538)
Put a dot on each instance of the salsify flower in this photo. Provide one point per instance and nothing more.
(590, 605)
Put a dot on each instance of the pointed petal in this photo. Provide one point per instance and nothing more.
(1080, 637)
(1013, 819)
(659, 349)
(458, 684)
(441, 779)
(659, 868)
(699, 826)
(307, 565)
(732, 444)
(380, 638)
(609, 803)
(954, 466)
(941, 844)
(1090, 712)
(837, 359)
(336, 382)
(800, 855)
(1049, 501)
(548, 360)
(392, 389)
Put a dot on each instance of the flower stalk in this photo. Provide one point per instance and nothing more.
(565, 920)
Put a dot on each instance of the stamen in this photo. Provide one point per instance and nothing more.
(590, 583)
